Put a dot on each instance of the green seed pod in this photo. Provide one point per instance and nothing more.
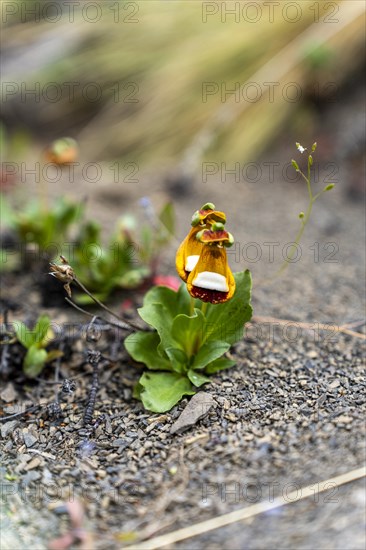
(217, 226)
(230, 242)
(208, 206)
(199, 234)
(195, 218)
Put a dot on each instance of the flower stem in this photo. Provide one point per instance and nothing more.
(204, 307)
(191, 306)
(100, 304)
(304, 221)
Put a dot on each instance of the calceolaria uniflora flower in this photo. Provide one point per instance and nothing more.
(190, 249)
(202, 259)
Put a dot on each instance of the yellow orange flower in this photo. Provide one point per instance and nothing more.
(212, 280)
(188, 253)
(190, 249)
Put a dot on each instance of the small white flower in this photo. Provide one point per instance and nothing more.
(300, 148)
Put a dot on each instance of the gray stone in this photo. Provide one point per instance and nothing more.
(198, 407)
(8, 427)
(29, 439)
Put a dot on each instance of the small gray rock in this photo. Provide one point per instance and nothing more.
(29, 439)
(8, 394)
(8, 427)
(198, 407)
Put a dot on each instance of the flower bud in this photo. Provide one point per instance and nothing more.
(301, 215)
(62, 151)
(329, 187)
(217, 226)
(300, 148)
(208, 206)
(230, 242)
(295, 165)
(63, 273)
(196, 218)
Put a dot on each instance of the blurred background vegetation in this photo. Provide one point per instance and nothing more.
(149, 81)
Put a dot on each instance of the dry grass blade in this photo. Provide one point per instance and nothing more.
(175, 56)
(284, 63)
(247, 512)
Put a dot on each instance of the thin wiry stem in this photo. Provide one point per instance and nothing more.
(122, 325)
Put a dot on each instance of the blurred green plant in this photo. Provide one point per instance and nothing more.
(130, 257)
(36, 341)
(40, 230)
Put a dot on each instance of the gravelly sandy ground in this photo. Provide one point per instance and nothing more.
(290, 414)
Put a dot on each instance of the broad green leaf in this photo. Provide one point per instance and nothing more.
(208, 353)
(158, 317)
(226, 321)
(162, 390)
(178, 359)
(219, 364)
(146, 246)
(42, 333)
(167, 217)
(142, 346)
(189, 331)
(164, 296)
(34, 361)
(196, 378)
(184, 301)
(25, 335)
(136, 392)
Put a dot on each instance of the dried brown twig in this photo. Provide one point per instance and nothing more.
(66, 275)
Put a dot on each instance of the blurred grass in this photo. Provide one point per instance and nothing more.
(169, 54)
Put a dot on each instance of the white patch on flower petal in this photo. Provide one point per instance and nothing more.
(211, 281)
(191, 262)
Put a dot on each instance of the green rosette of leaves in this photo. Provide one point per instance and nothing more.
(188, 342)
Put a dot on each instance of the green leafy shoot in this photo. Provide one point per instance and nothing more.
(304, 216)
(185, 347)
(35, 341)
(46, 229)
(129, 259)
